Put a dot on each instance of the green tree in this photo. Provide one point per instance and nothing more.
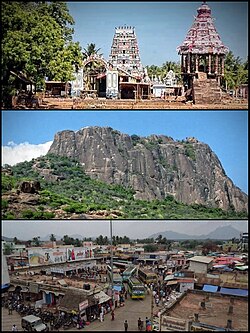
(99, 240)
(68, 240)
(52, 238)
(36, 241)
(8, 248)
(15, 240)
(78, 242)
(150, 247)
(36, 41)
(236, 72)
(91, 50)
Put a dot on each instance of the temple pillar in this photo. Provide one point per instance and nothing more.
(222, 65)
(209, 63)
(182, 63)
(188, 63)
(196, 64)
(216, 64)
(205, 63)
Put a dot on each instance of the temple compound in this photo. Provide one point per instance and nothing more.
(202, 59)
(123, 76)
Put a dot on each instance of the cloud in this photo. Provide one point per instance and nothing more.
(14, 153)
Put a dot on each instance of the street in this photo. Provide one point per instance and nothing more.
(131, 311)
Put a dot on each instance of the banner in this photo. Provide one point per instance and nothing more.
(39, 256)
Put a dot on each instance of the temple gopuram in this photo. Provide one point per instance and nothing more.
(131, 81)
(202, 59)
(125, 52)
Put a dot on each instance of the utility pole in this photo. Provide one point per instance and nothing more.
(111, 263)
(152, 307)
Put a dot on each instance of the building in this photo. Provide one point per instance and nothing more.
(202, 58)
(200, 264)
(125, 52)
(5, 278)
(197, 310)
(243, 245)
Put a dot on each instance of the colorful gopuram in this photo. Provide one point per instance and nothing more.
(202, 56)
(125, 52)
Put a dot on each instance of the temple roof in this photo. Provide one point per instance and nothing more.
(202, 37)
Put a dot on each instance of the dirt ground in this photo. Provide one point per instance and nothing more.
(103, 103)
(216, 311)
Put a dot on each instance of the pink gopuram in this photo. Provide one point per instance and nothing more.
(202, 49)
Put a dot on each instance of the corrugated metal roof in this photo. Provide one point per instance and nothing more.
(210, 288)
(234, 292)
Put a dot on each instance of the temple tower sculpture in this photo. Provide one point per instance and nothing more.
(125, 52)
(202, 52)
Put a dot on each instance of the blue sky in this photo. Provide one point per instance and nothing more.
(160, 26)
(226, 132)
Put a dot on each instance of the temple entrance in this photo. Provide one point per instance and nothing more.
(94, 76)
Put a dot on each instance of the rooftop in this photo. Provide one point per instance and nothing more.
(215, 312)
(203, 259)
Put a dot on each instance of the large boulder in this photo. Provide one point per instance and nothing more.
(30, 187)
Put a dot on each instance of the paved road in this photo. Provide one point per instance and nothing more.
(8, 320)
(131, 311)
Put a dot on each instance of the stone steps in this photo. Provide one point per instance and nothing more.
(206, 92)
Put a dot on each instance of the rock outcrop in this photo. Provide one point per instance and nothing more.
(30, 187)
(155, 166)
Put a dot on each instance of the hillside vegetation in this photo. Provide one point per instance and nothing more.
(67, 192)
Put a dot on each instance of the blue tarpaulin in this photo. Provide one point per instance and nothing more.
(117, 288)
(234, 292)
(210, 288)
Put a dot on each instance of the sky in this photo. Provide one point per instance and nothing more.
(29, 134)
(25, 230)
(160, 26)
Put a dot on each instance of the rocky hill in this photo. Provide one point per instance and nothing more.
(56, 187)
(154, 167)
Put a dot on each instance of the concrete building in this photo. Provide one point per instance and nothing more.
(200, 264)
(206, 311)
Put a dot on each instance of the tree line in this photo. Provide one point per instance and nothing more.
(149, 244)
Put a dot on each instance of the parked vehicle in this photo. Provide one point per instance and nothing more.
(33, 323)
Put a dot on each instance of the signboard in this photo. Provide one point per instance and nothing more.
(184, 286)
(39, 256)
(173, 324)
(79, 253)
(83, 305)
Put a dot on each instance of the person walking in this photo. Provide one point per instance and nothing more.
(140, 324)
(14, 328)
(125, 325)
(112, 315)
(101, 316)
(10, 309)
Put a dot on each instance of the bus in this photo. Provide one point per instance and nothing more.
(115, 269)
(135, 288)
(117, 280)
(129, 272)
(121, 265)
(147, 276)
